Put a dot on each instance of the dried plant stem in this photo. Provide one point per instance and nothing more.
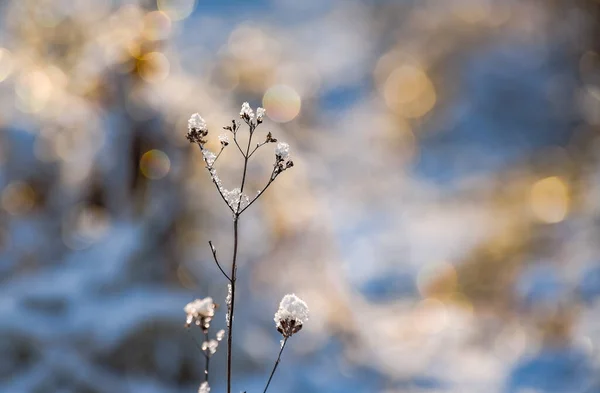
(276, 364)
(207, 356)
(233, 275)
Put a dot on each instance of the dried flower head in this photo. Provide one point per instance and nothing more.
(200, 312)
(282, 151)
(210, 347)
(204, 388)
(197, 129)
(246, 112)
(291, 315)
(260, 113)
(224, 139)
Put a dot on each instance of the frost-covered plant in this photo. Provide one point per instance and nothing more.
(292, 312)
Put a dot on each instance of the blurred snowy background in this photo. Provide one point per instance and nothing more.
(442, 219)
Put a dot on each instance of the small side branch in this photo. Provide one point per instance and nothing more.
(276, 364)
(271, 180)
(214, 253)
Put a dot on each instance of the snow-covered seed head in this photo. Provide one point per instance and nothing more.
(260, 113)
(282, 151)
(204, 388)
(210, 347)
(200, 312)
(197, 129)
(291, 315)
(224, 139)
(246, 112)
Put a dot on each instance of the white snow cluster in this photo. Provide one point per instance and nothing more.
(204, 388)
(282, 150)
(291, 308)
(246, 111)
(260, 113)
(199, 309)
(196, 122)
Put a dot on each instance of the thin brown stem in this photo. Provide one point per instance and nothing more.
(207, 356)
(209, 167)
(276, 364)
(231, 306)
(271, 179)
(233, 275)
(214, 253)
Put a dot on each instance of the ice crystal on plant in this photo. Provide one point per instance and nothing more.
(224, 139)
(204, 388)
(220, 334)
(260, 113)
(209, 157)
(211, 346)
(246, 112)
(235, 197)
(228, 302)
(282, 151)
(291, 315)
(196, 122)
(201, 311)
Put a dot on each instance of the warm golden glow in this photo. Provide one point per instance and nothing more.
(6, 64)
(154, 67)
(409, 92)
(282, 103)
(155, 164)
(549, 199)
(17, 198)
(176, 9)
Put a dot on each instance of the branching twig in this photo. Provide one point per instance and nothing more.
(214, 253)
(271, 179)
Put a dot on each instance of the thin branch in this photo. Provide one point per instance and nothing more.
(214, 181)
(276, 364)
(271, 180)
(214, 253)
(238, 145)
(207, 364)
(236, 216)
(219, 155)
(196, 342)
(258, 145)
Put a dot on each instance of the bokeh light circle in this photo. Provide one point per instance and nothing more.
(282, 103)
(154, 67)
(549, 200)
(409, 92)
(155, 164)
(176, 9)
(157, 26)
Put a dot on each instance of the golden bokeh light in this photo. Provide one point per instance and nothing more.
(176, 9)
(6, 64)
(282, 103)
(17, 198)
(157, 26)
(33, 90)
(408, 91)
(155, 164)
(549, 200)
(153, 67)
